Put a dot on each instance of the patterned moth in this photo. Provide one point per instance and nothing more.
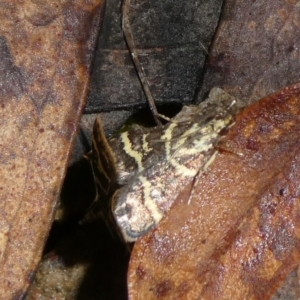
(141, 171)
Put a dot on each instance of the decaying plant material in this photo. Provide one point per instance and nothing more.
(239, 236)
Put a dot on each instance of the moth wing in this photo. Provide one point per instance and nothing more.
(103, 159)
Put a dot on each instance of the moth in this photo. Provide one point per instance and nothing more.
(140, 172)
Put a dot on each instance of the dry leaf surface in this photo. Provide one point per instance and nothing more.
(46, 50)
(256, 49)
(258, 158)
(274, 61)
(266, 247)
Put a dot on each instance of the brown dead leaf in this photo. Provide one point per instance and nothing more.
(46, 49)
(266, 247)
(177, 259)
(256, 49)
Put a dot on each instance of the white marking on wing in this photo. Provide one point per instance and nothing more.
(148, 201)
(137, 156)
(146, 147)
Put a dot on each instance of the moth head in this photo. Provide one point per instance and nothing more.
(132, 217)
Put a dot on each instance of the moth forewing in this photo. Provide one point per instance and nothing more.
(157, 164)
(186, 149)
(104, 162)
(106, 173)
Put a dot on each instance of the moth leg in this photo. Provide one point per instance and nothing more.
(165, 118)
(138, 66)
(224, 147)
(208, 163)
(200, 172)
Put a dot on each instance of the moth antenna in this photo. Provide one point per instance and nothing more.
(134, 55)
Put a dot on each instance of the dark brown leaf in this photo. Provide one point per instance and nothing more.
(172, 38)
(256, 49)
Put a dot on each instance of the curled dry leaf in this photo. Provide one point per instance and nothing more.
(247, 195)
(46, 49)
